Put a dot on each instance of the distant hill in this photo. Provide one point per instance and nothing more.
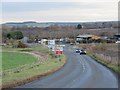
(97, 25)
(27, 24)
(85, 25)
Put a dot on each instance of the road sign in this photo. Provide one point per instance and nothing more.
(61, 52)
(51, 42)
(58, 52)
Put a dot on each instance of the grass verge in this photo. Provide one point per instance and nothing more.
(49, 66)
(115, 68)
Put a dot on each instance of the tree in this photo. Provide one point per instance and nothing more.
(15, 35)
(79, 26)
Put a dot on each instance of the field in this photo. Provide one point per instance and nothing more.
(12, 60)
(24, 65)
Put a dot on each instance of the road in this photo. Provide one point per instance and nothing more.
(80, 71)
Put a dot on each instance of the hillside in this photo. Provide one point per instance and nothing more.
(86, 25)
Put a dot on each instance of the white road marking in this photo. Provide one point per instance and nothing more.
(74, 80)
(83, 65)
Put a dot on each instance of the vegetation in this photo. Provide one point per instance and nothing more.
(15, 35)
(19, 67)
(33, 73)
(115, 68)
(12, 60)
(21, 45)
(106, 54)
(79, 26)
(57, 31)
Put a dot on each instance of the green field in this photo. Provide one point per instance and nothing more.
(12, 60)
(38, 70)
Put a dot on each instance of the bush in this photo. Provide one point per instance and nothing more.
(22, 45)
(79, 26)
(15, 35)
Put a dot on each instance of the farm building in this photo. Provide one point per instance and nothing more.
(84, 37)
(87, 38)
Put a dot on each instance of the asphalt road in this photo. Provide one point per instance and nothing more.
(81, 71)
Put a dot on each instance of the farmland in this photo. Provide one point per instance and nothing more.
(14, 59)
(24, 65)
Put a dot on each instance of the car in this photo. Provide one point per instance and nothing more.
(117, 42)
(82, 52)
(71, 44)
(77, 43)
(77, 50)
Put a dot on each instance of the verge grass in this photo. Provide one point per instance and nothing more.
(115, 68)
(18, 78)
(38, 70)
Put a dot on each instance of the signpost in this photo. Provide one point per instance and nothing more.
(59, 51)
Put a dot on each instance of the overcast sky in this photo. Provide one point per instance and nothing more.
(59, 10)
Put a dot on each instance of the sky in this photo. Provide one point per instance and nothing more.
(59, 10)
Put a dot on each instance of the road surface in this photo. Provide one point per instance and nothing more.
(81, 71)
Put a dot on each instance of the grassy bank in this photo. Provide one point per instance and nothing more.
(104, 53)
(0, 68)
(115, 68)
(50, 63)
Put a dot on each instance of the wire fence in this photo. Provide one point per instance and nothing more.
(108, 59)
(22, 68)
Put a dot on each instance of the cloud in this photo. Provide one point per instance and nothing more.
(60, 0)
(62, 11)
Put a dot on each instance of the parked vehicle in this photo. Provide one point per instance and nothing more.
(82, 52)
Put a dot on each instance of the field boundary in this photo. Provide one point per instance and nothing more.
(26, 66)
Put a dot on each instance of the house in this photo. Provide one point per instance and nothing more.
(87, 38)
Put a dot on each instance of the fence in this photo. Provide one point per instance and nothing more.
(108, 59)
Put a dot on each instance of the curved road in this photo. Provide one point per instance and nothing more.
(81, 71)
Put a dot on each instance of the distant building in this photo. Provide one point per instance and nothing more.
(95, 37)
(44, 41)
(51, 42)
(87, 38)
(84, 37)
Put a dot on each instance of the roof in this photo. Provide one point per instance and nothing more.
(96, 37)
(84, 35)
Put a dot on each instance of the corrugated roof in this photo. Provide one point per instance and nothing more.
(84, 35)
